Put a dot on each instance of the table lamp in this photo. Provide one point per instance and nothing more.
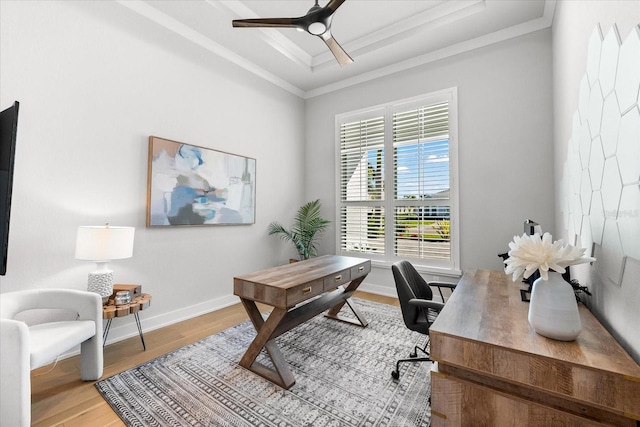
(103, 244)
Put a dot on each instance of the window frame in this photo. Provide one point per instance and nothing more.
(450, 267)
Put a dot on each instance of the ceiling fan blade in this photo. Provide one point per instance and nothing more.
(333, 5)
(266, 22)
(316, 22)
(342, 57)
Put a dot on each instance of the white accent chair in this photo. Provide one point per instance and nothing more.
(24, 348)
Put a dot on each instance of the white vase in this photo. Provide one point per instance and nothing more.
(553, 310)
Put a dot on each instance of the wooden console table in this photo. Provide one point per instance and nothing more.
(493, 369)
(285, 288)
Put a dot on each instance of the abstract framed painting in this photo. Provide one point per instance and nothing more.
(191, 185)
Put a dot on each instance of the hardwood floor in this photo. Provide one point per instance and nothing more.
(60, 398)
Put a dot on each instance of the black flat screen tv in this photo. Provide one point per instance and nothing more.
(8, 132)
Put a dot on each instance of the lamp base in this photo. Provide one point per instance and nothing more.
(102, 284)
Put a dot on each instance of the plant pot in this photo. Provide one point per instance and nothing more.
(553, 310)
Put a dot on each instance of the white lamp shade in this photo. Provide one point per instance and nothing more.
(104, 243)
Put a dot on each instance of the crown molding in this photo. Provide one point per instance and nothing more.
(428, 19)
(274, 38)
(190, 34)
(450, 11)
(534, 25)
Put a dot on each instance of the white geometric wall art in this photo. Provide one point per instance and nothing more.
(628, 77)
(596, 163)
(596, 102)
(575, 170)
(609, 262)
(596, 217)
(585, 192)
(628, 150)
(586, 239)
(610, 125)
(601, 181)
(629, 221)
(577, 214)
(609, 60)
(584, 149)
(611, 188)
(593, 55)
(583, 105)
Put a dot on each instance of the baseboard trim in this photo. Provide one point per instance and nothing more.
(379, 290)
(125, 327)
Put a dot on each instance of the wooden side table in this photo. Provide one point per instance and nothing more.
(111, 310)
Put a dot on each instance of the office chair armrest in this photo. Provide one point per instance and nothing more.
(451, 286)
(423, 303)
(440, 285)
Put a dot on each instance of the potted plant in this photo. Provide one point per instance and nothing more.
(307, 227)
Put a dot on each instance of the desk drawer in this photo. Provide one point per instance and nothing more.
(360, 270)
(337, 279)
(304, 292)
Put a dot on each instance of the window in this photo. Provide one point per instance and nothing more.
(397, 180)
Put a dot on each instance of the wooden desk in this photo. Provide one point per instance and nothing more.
(493, 369)
(285, 288)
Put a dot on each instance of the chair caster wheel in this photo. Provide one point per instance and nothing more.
(413, 355)
(395, 375)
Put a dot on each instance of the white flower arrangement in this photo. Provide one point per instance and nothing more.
(529, 253)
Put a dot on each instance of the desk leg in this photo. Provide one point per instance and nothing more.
(282, 375)
(333, 312)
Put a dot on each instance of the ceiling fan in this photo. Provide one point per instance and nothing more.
(316, 22)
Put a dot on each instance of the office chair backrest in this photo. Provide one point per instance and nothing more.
(409, 285)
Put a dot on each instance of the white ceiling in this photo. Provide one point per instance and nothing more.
(382, 36)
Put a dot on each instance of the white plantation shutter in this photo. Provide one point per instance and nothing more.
(422, 232)
(361, 182)
(358, 141)
(362, 229)
(396, 167)
(422, 182)
(430, 121)
(421, 151)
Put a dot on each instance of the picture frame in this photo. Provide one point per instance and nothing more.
(190, 185)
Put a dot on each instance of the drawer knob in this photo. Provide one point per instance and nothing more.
(306, 290)
(338, 277)
(361, 268)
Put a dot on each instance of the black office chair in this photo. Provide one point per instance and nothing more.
(417, 305)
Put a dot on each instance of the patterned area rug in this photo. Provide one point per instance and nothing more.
(342, 371)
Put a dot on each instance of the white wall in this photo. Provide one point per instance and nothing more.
(616, 305)
(505, 150)
(95, 81)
